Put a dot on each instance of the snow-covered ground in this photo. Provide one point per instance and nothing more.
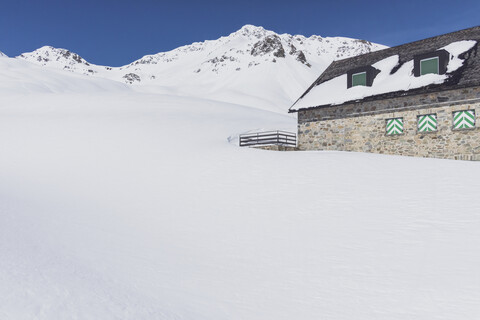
(117, 203)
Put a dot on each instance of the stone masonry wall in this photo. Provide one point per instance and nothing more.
(276, 148)
(361, 127)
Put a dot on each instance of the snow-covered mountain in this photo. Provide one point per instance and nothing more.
(2, 54)
(58, 58)
(272, 69)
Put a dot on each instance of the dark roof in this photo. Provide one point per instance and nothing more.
(466, 76)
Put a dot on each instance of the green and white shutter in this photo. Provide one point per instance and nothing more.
(427, 123)
(394, 126)
(464, 119)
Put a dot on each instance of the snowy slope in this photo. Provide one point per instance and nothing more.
(121, 204)
(22, 77)
(271, 69)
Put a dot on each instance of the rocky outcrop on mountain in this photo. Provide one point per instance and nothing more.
(61, 59)
(47, 54)
(131, 78)
(300, 56)
(270, 44)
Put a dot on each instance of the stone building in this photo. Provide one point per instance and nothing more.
(417, 99)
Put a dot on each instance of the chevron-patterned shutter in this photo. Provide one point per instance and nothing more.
(464, 119)
(427, 123)
(394, 126)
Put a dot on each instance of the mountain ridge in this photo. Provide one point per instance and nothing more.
(269, 44)
(274, 69)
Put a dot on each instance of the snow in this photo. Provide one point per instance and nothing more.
(223, 69)
(118, 203)
(335, 91)
(455, 49)
(22, 77)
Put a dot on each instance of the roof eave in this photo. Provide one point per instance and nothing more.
(433, 88)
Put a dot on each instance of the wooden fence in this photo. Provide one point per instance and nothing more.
(279, 138)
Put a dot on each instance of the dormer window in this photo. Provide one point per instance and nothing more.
(361, 76)
(359, 79)
(433, 62)
(429, 65)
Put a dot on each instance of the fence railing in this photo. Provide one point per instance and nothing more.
(281, 138)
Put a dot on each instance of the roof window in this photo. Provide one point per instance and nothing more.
(361, 76)
(433, 62)
(429, 65)
(359, 79)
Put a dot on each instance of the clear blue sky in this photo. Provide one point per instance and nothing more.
(116, 32)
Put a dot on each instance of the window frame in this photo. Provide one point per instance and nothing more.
(358, 73)
(396, 134)
(431, 58)
(370, 74)
(427, 132)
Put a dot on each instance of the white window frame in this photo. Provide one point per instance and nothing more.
(431, 58)
(363, 72)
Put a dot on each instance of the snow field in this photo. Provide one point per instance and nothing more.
(127, 205)
(134, 202)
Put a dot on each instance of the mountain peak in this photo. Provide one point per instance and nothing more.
(58, 58)
(3, 54)
(48, 53)
(251, 30)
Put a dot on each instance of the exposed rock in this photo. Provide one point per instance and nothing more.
(293, 49)
(280, 53)
(270, 44)
(131, 78)
(218, 60)
(301, 57)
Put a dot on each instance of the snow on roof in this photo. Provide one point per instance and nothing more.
(335, 91)
(394, 71)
